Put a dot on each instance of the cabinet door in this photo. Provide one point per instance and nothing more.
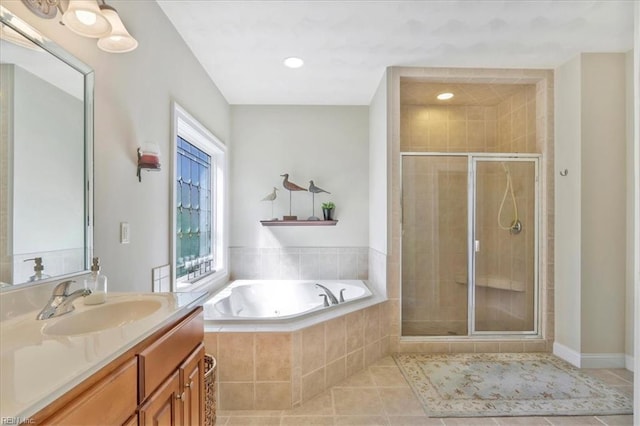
(109, 402)
(163, 406)
(192, 379)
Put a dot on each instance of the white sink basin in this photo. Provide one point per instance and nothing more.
(102, 317)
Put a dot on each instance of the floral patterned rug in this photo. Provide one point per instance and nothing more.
(531, 384)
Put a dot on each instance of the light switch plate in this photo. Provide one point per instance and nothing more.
(124, 232)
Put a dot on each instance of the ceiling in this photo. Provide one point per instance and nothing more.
(346, 45)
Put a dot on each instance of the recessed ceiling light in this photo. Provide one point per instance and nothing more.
(293, 62)
(445, 96)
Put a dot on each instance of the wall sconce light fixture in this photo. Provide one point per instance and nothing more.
(88, 19)
(148, 158)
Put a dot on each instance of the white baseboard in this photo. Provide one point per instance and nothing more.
(566, 353)
(585, 360)
(629, 362)
(603, 361)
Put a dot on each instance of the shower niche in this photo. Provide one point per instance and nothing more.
(469, 244)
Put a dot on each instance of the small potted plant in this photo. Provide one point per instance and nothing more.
(327, 210)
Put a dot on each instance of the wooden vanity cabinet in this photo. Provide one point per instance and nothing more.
(158, 382)
(111, 401)
(192, 380)
(171, 376)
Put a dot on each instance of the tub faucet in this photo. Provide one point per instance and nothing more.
(61, 302)
(332, 297)
(325, 300)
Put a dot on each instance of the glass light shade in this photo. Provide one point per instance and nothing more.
(119, 41)
(83, 17)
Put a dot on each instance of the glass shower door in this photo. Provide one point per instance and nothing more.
(434, 245)
(504, 246)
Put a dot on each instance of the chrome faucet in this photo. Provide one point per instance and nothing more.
(332, 297)
(61, 302)
(325, 300)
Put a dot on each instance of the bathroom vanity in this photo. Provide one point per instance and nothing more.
(135, 369)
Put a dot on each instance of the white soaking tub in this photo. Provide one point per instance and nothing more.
(282, 305)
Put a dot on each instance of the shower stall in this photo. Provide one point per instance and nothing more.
(470, 244)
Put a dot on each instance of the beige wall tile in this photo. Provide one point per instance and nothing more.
(335, 338)
(355, 330)
(235, 357)
(313, 348)
(336, 372)
(313, 384)
(371, 324)
(372, 353)
(355, 362)
(273, 396)
(273, 357)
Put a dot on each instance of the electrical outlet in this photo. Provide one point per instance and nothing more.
(124, 232)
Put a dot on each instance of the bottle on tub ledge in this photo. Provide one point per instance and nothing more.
(97, 283)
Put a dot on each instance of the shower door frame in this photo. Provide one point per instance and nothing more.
(472, 158)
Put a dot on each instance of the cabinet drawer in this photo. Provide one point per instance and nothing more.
(161, 358)
(111, 401)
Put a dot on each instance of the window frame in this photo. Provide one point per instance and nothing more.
(184, 125)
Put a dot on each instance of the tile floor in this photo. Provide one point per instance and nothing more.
(380, 395)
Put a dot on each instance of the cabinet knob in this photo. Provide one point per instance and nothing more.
(180, 396)
(188, 385)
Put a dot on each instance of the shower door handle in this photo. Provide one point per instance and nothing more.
(476, 246)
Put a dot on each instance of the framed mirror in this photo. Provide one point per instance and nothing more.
(46, 140)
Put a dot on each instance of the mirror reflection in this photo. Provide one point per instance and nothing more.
(43, 187)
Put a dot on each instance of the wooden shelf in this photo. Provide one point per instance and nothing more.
(298, 222)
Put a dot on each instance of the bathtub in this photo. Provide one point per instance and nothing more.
(278, 305)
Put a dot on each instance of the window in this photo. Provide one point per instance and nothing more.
(198, 200)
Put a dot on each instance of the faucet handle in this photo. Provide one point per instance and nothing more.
(326, 299)
(62, 288)
(342, 295)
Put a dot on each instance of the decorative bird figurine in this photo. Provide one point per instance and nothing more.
(271, 196)
(290, 186)
(313, 188)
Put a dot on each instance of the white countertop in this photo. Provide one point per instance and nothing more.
(36, 368)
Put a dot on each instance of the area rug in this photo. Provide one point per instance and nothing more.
(478, 385)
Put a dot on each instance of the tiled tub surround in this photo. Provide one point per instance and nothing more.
(299, 263)
(271, 371)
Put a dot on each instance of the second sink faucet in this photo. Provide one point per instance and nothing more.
(61, 302)
(332, 297)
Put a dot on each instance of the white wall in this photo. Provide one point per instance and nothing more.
(591, 224)
(567, 204)
(378, 168)
(636, 211)
(603, 202)
(133, 95)
(326, 144)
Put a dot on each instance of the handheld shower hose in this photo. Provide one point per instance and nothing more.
(516, 226)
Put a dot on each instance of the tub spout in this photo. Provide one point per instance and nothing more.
(329, 293)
